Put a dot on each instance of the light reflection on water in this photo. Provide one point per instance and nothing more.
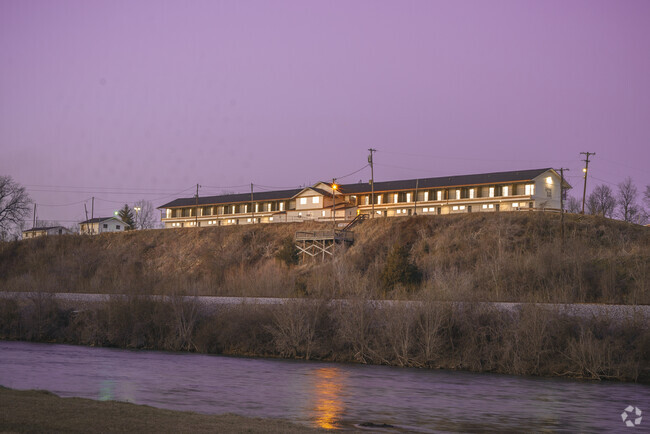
(326, 395)
(328, 387)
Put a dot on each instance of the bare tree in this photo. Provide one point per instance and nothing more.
(573, 205)
(14, 204)
(646, 195)
(144, 217)
(601, 201)
(629, 211)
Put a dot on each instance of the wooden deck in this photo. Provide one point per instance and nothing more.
(333, 235)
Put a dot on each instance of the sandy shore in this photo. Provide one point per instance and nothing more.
(41, 411)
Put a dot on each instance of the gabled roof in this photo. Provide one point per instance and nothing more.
(314, 189)
(234, 198)
(99, 220)
(445, 181)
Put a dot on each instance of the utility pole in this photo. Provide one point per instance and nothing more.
(34, 224)
(252, 206)
(196, 213)
(415, 198)
(92, 213)
(372, 181)
(88, 223)
(584, 191)
(562, 169)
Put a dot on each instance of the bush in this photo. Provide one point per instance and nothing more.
(399, 269)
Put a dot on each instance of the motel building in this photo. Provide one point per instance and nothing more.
(524, 190)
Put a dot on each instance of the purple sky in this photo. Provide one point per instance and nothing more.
(124, 100)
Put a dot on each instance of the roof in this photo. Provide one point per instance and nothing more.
(233, 198)
(44, 228)
(98, 220)
(364, 187)
(445, 181)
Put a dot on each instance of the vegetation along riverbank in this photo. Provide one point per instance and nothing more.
(473, 258)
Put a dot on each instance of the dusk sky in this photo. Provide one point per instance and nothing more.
(125, 100)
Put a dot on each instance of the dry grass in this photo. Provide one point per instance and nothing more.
(490, 257)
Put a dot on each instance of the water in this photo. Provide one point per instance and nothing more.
(324, 394)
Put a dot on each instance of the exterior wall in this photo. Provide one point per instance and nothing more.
(112, 225)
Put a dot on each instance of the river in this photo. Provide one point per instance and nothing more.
(329, 395)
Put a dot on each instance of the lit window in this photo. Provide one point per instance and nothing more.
(303, 201)
(366, 200)
(395, 198)
(408, 197)
(491, 206)
(323, 213)
(439, 195)
(245, 208)
(505, 190)
(425, 210)
(462, 207)
(457, 194)
(315, 199)
(269, 207)
(530, 189)
(399, 211)
(271, 219)
(379, 200)
(484, 206)
(249, 220)
(281, 206)
(299, 214)
(454, 208)
(471, 193)
(491, 191)
(169, 213)
(515, 204)
(426, 196)
(257, 207)
(549, 180)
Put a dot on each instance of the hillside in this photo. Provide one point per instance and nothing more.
(504, 257)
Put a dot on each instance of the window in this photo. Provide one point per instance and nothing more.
(303, 201)
(315, 199)
(270, 219)
(379, 199)
(439, 195)
(269, 206)
(515, 204)
(491, 194)
(491, 206)
(105, 226)
(168, 213)
(462, 207)
(118, 227)
(549, 180)
(471, 193)
(399, 211)
(257, 207)
(323, 213)
(457, 194)
(530, 189)
(425, 210)
(281, 206)
(484, 206)
(408, 197)
(395, 198)
(505, 190)
(455, 208)
(426, 196)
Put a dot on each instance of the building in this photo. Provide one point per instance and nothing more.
(535, 190)
(44, 231)
(100, 225)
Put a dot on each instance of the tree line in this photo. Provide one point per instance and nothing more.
(622, 204)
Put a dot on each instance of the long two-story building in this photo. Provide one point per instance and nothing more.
(537, 189)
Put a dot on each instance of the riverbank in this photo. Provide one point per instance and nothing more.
(26, 411)
(478, 337)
